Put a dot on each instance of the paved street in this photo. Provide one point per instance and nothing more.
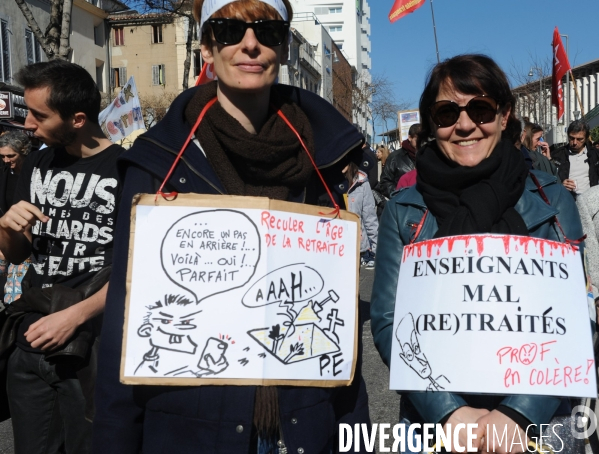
(384, 404)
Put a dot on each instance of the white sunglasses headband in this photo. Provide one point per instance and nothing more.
(211, 6)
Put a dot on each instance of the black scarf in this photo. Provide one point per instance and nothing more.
(271, 163)
(407, 145)
(479, 199)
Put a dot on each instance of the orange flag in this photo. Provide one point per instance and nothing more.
(206, 75)
(403, 7)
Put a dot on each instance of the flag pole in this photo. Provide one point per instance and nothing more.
(435, 32)
(577, 94)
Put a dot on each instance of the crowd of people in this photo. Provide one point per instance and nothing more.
(469, 167)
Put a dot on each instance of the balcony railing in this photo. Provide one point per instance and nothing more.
(309, 60)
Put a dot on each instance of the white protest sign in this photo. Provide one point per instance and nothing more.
(123, 115)
(239, 290)
(492, 314)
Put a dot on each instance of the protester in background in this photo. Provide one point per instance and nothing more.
(577, 162)
(361, 201)
(246, 150)
(400, 162)
(54, 326)
(14, 147)
(536, 148)
(588, 207)
(469, 181)
(382, 153)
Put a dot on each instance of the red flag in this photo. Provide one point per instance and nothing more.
(206, 75)
(560, 67)
(403, 7)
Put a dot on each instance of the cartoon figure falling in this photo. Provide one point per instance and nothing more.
(299, 337)
(413, 356)
(169, 325)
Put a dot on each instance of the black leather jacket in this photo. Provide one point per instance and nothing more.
(561, 158)
(398, 163)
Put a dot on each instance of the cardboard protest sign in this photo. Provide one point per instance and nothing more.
(240, 290)
(492, 314)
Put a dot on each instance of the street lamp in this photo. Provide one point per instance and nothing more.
(540, 72)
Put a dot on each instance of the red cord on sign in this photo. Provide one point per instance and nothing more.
(336, 211)
(189, 139)
(418, 228)
(210, 103)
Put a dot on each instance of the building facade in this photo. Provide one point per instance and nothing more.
(88, 39)
(348, 23)
(152, 48)
(533, 100)
(302, 70)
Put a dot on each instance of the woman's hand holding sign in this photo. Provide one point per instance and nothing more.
(494, 425)
(465, 416)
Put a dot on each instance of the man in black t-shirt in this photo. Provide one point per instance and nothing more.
(63, 217)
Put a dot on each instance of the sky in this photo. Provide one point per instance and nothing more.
(517, 34)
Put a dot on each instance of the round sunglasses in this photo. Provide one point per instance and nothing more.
(269, 33)
(481, 110)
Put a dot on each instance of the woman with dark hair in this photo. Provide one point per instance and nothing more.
(532, 140)
(241, 145)
(469, 181)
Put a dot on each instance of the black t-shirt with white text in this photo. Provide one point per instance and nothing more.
(80, 196)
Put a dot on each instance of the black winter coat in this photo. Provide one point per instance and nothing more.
(398, 163)
(211, 419)
(561, 159)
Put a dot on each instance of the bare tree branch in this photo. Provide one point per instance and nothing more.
(56, 39)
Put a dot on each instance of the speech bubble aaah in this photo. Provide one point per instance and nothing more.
(289, 284)
(211, 252)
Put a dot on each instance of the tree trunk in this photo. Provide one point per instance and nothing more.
(65, 50)
(53, 29)
(49, 50)
(187, 62)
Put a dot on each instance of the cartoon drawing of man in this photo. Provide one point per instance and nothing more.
(169, 325)
(413, 356)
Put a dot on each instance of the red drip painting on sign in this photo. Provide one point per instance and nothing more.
(429, 247)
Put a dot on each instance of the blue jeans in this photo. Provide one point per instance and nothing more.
(46, 405)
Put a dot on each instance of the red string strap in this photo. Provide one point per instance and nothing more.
(183, 148)
(336, 211)
(418, 228)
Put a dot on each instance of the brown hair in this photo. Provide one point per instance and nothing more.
(248, 10)
(529, 130)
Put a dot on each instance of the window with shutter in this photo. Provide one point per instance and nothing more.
(119, 36)
(155, 79)
(29, 46)
(161, 74)
(156, 34)
(32, 48)
(123, 76)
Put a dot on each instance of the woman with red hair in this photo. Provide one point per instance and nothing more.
(241, 147)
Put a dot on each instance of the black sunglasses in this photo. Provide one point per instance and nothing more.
(269, 33)
(481, 110)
